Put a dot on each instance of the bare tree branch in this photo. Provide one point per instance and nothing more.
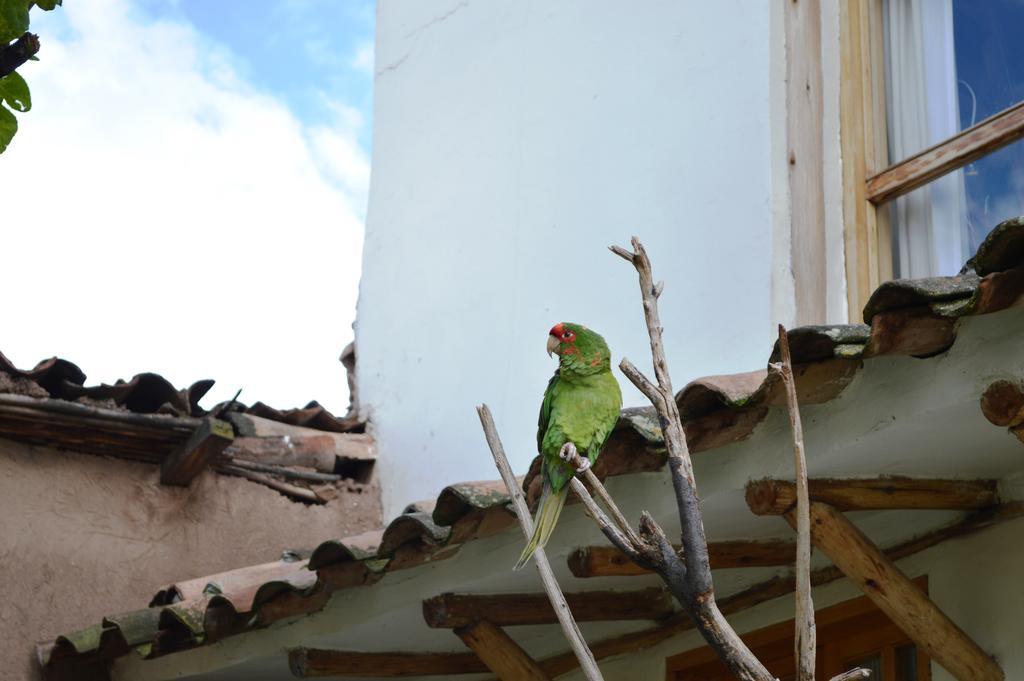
(558, 603)
(859, 673)
(642, 383)
(688, 576)
(614, 535)
(804, 642)
(582, 466)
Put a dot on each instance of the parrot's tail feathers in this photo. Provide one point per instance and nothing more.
(544, 524)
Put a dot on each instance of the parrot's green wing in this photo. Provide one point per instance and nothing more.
(545, 411)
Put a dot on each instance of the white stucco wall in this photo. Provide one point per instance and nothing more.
(514, 141)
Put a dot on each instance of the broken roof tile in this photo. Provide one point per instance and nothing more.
(150, 393)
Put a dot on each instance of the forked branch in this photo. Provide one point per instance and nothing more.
(687, 573)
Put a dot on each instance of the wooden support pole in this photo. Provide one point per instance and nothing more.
(211, 438)
(500, 653)
(776, 497)
(805, 639)
(449, 611)
(905, 604)
(608, 561)
(308, 663)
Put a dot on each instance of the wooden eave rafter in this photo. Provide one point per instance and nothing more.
(450, 611)
(776, 497)
(91, 429)
(608, 561)
(1002, 403)
(206, 443)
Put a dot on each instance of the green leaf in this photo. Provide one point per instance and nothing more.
(8, 126)
(13, 19)
(14, 92)
(47, 4)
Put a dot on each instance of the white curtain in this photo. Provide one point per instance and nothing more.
(928, 224)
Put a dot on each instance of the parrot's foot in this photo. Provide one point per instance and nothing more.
(569, 454)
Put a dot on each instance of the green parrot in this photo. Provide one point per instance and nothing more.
(580, 408)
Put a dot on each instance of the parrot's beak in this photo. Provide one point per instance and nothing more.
(553, 344)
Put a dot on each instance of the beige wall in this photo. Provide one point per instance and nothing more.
(85, 536)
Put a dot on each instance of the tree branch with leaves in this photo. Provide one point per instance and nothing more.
(17, 46)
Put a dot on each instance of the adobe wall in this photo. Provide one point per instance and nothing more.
(85, 536)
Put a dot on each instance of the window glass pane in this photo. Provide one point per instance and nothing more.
(938, 227)
(989, 57)
(906, 663)
(949, 64)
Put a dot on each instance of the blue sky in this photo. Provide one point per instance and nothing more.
(190, 187)
(299, 50)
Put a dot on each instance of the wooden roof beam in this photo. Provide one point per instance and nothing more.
(776, 497)
(608, 561)
(500, 653)
(308, 663)
(206, 443)
(905, 604)
(450, 611)
(1003, 405)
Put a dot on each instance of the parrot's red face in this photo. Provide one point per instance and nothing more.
(559, 338)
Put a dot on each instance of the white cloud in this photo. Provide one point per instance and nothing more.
(363, 60)
(162, 215)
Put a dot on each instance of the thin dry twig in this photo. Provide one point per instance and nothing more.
(688, 576)
(273, 483)
(569, 627)
(804, 643)
(573, 458)
(614, 534)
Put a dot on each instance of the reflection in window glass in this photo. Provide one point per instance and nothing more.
(995, 191)
(951, 64)
(989, 57)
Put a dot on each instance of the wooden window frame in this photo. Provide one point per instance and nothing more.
(856, 626)
(869, 181)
